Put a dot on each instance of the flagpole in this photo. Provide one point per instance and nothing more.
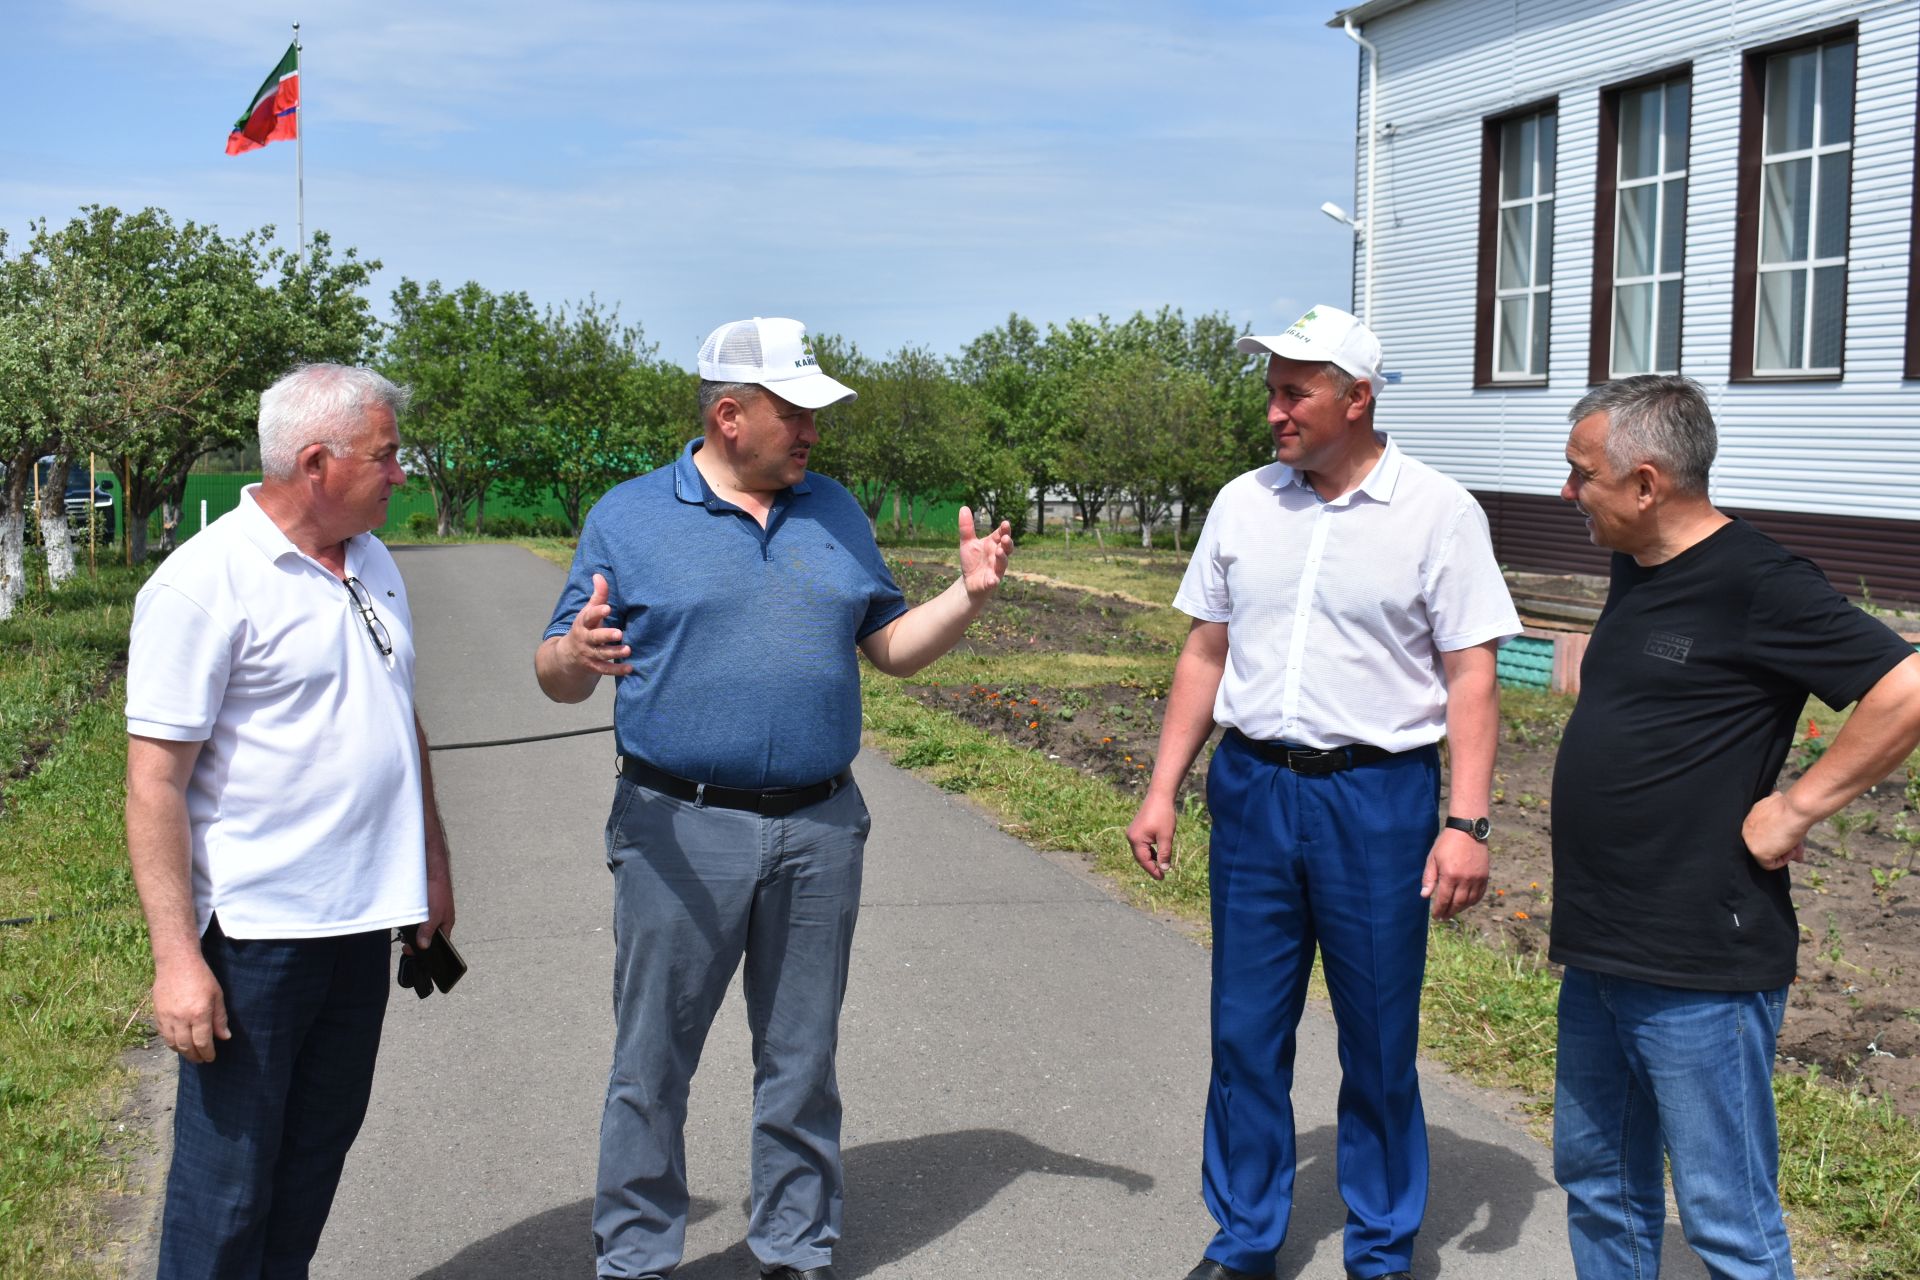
(300, 147)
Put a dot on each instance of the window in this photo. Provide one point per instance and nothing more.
(1913, 261)
(1516, 247)
(1642, 228)
(1796, 194)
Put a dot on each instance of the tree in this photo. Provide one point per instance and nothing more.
(75, 374)
(1144, 420)
(1076, 357)
(216, 332)
(1005, 368)
(992, 478)
(602, 409)
(853, 446)
(904, 435)
(469, 357)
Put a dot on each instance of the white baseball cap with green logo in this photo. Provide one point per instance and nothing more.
(774, 354)
(1325, 334)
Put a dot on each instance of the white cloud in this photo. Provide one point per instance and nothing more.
(898, 174)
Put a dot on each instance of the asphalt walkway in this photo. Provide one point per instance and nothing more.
(1024, 1057)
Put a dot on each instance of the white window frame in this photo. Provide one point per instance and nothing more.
(1811, 264)
(1538, 295)
(1657, 180)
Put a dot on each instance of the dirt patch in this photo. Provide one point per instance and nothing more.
(1029, 616)
(1855, 1009)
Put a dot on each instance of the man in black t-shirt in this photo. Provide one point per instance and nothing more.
(1672, 913)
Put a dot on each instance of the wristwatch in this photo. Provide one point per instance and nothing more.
(1478, 828)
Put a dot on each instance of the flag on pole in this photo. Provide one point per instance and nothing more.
(274, 113)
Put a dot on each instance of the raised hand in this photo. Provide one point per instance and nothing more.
(595, 647)
(983, 561)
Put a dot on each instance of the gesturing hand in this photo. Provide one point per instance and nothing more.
(593, 646)
(983, 561)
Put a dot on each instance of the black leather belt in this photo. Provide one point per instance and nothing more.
(772, 802)
(1314, 762)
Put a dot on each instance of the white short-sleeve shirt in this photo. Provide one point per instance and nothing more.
(1337, 612)
(305, 802)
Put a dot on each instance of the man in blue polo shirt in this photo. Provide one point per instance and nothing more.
(728, 593)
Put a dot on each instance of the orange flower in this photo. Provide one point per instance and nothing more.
(1499, 893)
(1520, 915)
(1813, 730)
(1033, 724)
(1534, 885)
(1106, 739)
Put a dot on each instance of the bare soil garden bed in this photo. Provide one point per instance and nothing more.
(1855, 1009)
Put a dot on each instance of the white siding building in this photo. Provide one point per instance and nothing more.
(1552, 192)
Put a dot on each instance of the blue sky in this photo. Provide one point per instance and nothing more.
(896, 172)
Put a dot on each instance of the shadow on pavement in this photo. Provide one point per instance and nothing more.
(1479, 1197)
(902, 1196)
(546, 1246)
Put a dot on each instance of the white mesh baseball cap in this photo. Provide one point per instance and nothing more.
(1325, 333)
(774, 354)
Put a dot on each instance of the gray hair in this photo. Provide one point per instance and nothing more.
(320, 404)
(1658, 418)
(1339, 379)
(712, 393)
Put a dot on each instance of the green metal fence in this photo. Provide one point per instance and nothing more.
(221, 494)
(209, 497)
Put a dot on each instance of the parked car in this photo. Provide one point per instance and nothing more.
(83, 504)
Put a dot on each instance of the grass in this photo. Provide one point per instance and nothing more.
(73, 983)
(72, 991)
(1042, 802)
(56, 650)
(72, 998)
(1850, 1167)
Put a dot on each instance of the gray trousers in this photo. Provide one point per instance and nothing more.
(696, 890)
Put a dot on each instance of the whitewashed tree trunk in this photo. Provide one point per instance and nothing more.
(57, 538)
(13, 562)
(169, 523)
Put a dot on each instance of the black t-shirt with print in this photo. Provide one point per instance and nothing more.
(1690, 694)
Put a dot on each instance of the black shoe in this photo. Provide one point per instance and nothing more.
(795, 1273)
(1211, 1270)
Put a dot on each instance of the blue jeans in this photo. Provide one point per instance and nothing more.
(696, 890)
(1646, 1069)
(261, 1133)
(1329, 863)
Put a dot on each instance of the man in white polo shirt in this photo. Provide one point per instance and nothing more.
(1347, 609)
(281, 823)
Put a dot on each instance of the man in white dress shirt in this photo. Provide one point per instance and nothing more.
(1347, 610)
(281, 823)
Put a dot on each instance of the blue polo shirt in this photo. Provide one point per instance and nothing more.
(745, 672)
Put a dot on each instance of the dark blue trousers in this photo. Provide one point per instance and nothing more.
(1332, 863)
(261, 1133)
